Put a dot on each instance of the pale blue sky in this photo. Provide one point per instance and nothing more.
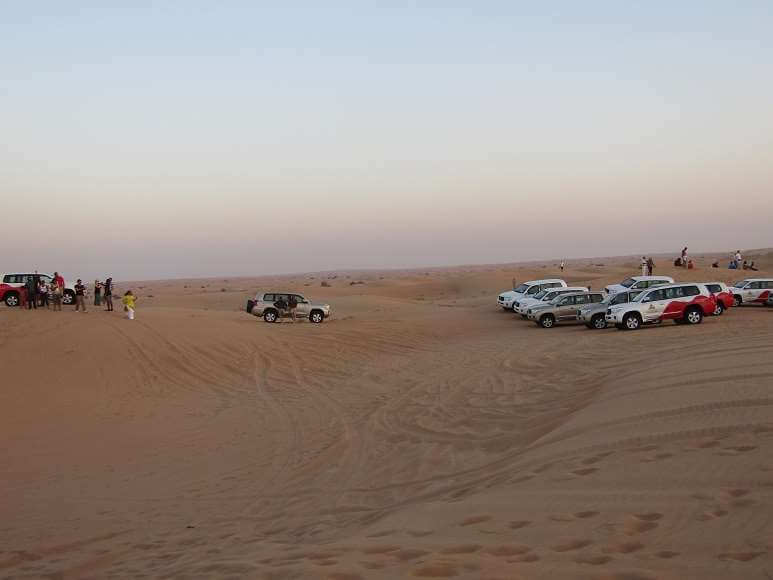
(163, 139)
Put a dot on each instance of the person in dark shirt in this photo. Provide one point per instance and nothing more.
(281, 306)
(292, 304)
(107, 291)
(80, 296)
(32, 293)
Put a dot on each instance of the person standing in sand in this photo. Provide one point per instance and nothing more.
(108, 292)
(281, 306)
(97, 293)
(643, 264)
(56, 296)
(129, 301)
(80, 296)
(650, 266)
(292, 304)
(43, 293)
(684, 257)
(738, 258)
(562, 265)
(32, 294)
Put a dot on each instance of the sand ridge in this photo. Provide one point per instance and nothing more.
(420, 433)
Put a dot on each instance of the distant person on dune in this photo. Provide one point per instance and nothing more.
(643, 264)
(562, 265)
(738, 258)
(753, 267)
(715, 264)
(650, 266)
(129, 301)
(108, 293)
(745, 265)
(684, 256)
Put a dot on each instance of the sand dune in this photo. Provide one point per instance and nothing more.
(421, 433)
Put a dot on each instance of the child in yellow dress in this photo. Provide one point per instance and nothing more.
(128, 304)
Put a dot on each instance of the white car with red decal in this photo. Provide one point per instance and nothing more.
(752, 291)
(723, 295)
(685, 303)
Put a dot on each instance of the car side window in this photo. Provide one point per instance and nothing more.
(654, 296)
(7, 279)
(268, 298)
(565, 301)
(300, 299)
(754, 286)
(769, 284)
(690, 291)
(582, 299)
(713, 288)
(532, 290)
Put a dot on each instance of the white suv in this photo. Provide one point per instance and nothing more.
(638, 283)
(9, 283)
(530, 288)
(685, 303)
(522, 306)
(752, 291)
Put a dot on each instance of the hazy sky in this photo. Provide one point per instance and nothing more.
(165, 139)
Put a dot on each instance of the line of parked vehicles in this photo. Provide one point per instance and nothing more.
(632, 303)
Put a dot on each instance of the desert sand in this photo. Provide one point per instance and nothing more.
(421, 432)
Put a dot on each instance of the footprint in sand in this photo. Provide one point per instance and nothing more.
(585, 471)
(586, 514)
(524, 558)
(408, 554)
(507, 550)
(437, 570)
(736, 449)
(571, 545)
(475, 520)
(666, 554)
(711, 515)
(739, 556)
(640, 523)
(461, 549)
(384, 549)
(625, 548)
(593, 559)
(518, 524)
(382, 533)
(420, 533)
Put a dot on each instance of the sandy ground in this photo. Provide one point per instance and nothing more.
(421, 432)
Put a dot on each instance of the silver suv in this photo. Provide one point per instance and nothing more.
(563, 308)
(593, 315)
(263, 305)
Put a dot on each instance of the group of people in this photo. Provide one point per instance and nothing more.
(647, 266)
(287, 307)
(40, 293)
(684, 261)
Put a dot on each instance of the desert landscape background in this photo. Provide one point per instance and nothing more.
(420, 432)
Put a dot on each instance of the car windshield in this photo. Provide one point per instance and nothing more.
(551, 296)
(628, 282)
(540, 294)
(521, 289)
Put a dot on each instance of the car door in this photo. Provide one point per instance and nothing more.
(653, 305)
(752, 291)
(564, 306)
(677, 299)
(303, 306)
(765, 287)
(578, 302)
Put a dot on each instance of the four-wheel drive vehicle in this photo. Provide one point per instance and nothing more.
(752, 291)
(685, 303)
(594, 315)
(522, 305)
(638, 283)
(263, 305)
(10, 284)
(530, 288)
(723, 295)
(563, 308)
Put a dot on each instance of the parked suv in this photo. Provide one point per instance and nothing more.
(638, 283)
(530, 288)
(563, 308)
(594, 315)
(263, 305)
(723, 295)
(522, 305)
(10, 284)
(752, 291)
(685, 303)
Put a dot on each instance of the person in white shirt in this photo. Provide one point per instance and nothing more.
(738, 258)
(643, 265)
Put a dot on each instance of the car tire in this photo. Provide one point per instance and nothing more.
(68, 297)
(631, 321)
(12, 299)
(719, 310)
(693, 316)
(270, 315)
(598, 322)
(737, 300)
(316, 316)
(547, 321)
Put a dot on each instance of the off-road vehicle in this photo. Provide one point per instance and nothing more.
(263, 305)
